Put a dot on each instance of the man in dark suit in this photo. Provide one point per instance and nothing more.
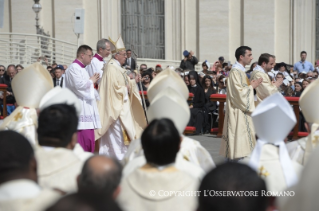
(130, 63)
(59, 80)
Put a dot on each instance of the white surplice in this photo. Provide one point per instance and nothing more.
(96, 66)
(78, 81)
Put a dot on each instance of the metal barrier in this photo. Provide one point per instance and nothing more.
(25, 49)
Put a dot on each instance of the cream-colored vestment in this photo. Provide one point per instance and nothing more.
(266, 88)
(121, 113)
(238, 132)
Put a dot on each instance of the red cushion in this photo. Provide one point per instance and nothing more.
(218, 95)
(1, 117)
(292, 99)
(190, 95)
(214, 130)
(190, 128)
(144, 92)
(300, 134)
(3, 86)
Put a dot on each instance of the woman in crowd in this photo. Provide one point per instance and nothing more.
(221, 85)
(197, 105)
(298, 89)
(219, 70)
(146, 80)
(305, 83)
(207, 84)
(206, 67)
(186, 80)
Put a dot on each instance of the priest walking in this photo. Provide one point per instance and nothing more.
(238, 133)
(120, 108)
(82, 85)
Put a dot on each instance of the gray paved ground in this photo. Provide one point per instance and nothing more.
(212, 144)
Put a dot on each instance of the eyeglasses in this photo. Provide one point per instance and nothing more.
(2, 70)
(303, 66)
(146, 77)
(123, 54)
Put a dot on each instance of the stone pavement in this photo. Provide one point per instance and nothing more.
(212, 144)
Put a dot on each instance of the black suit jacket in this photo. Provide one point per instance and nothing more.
(133, 64)
(54, 82)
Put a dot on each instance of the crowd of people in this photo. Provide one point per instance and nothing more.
(143, 161)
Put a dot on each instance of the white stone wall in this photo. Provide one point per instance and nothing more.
(211, 28)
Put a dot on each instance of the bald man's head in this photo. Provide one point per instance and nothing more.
(100, 174)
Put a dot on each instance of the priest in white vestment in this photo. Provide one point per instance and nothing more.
(103, 50)
(265, 64)
(301, 149)
(58, 165)
(149, 187)
(82, 85)
(238, 139)
(167, 94)
(120, 108)
(273, 120)
(29, 86)
(19, 189)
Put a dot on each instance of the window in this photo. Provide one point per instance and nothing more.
(143, 27)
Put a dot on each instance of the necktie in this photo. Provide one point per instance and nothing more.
(57, 82)
(129, 61)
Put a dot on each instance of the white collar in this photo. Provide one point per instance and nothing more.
(194, 85)
(19, 189)
(239, 66)
(259, 68)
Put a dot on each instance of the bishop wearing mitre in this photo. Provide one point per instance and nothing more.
(121, 112)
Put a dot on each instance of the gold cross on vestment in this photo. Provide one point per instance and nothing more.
(315, 142)
(262, 172)
(17, 116)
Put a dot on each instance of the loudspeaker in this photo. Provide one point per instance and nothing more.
(79, 21)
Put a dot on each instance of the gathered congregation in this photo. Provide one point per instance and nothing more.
(83, 136)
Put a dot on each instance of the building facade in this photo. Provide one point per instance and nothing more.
(160, 30)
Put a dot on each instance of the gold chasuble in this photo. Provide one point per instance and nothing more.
(116, 103)
(238, 133)
(266, 88)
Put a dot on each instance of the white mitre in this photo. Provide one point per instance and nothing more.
(308, 103)
(29, 86)
(273, 119)
(167, 78)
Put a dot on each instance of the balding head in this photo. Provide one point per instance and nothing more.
(100, 174)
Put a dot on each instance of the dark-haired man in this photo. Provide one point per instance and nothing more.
(58, 165)
(303, 65)
(130, 63)
(227, 178)
(265, 64)
(18, 176)
(238, 132)
(82, 85)
(59, 79)
(145, 188)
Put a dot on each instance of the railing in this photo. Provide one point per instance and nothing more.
(294, 101)
(17, 48)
